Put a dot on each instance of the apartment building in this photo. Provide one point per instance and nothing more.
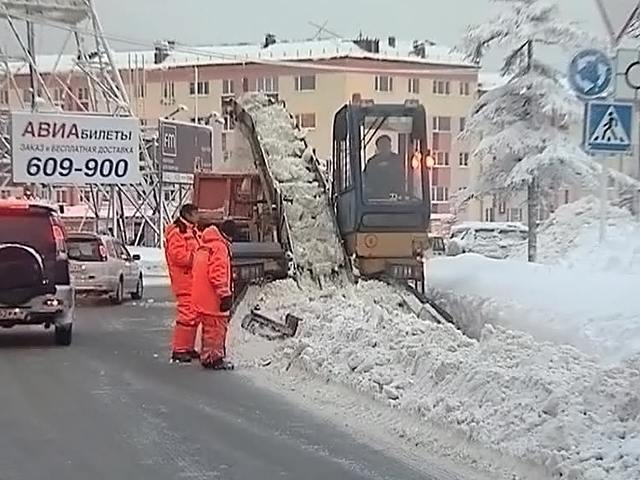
(313, 78)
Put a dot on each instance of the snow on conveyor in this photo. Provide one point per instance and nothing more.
(316, 247)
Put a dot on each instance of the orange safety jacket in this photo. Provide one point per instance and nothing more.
(181, 243)
(212, 274)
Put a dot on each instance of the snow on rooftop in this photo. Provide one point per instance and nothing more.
(282, 51)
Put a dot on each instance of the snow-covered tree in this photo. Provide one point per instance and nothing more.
(520, 127)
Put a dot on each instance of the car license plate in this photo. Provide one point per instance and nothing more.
(12, 314)
(75, 268)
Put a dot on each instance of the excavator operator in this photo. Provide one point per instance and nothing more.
(384, 172)
(212, 293)
(181, 242)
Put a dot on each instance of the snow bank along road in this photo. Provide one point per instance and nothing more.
(112, 407)
(543, 403)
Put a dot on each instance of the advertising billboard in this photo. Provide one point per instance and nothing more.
(184, 148)
(56, 149)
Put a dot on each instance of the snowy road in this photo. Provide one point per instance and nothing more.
(111, 407)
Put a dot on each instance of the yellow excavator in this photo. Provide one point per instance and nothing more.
(379, 188)
(376, 184)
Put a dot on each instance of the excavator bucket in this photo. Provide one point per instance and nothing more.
(259, 324)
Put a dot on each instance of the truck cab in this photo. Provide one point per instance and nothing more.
(379, 186)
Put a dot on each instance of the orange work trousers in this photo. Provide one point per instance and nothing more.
(214, 337)
(186, 327)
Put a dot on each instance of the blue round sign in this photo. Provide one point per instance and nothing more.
(591, 73)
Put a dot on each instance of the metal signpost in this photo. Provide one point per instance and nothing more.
(608, 130)
(607, 124)
(621, 18)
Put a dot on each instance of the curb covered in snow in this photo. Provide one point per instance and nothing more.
(543, 403)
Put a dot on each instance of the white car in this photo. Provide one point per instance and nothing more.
(101, 265)
(492, 239)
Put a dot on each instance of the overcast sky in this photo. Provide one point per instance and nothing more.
(217, 21)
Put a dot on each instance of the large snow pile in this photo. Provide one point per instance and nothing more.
(570, 237)
(539, 402)
(154, 266)
(598, 313)
(316, 246)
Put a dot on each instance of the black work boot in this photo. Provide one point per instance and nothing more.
(220, 364)
(195, 355)
(181, 357)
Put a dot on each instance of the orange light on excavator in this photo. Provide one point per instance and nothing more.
(430, 161)
(416, 160)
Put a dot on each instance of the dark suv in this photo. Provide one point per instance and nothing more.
(35, 287)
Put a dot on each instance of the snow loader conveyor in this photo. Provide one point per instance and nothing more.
(309, 205)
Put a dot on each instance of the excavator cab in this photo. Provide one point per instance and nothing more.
(379, 187)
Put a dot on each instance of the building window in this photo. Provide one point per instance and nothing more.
(441, 124)
(143, 122)
(83, 93)
(4, 97)
(203, 88)
(200, 120)
(168, 91)
(439, 194)
(84, 196)
(489, 214)
(58, 95)
(463, 159)
(441, 87)
(442, 159)
(224, 142)
(384, 83)
(62, 196)
(514, 215)
(229, 124)
(268, 84)
(463, 123)
(414, 85)
(305, 83)
(465, 89)
(306, 120)
(228, 87)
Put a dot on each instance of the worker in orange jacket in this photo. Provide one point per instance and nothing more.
(212, 293)
(181, 242)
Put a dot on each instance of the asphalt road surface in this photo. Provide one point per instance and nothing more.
(112, 407)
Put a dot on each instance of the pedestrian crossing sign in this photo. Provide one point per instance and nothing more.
(608, 127)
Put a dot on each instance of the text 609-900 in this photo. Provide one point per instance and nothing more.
(90, 168)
